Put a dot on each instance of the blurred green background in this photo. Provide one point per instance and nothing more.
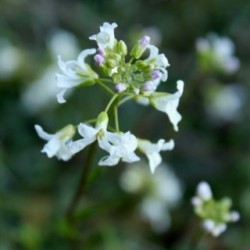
(213, 142)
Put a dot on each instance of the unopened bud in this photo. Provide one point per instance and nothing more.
(120, 87)
(122, 48)
(99, 59)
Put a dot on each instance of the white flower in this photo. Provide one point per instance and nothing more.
(75, 73)
(204, 191)
(168, 103)
(220, 51)
(152, 151)
(105, 38)
(159, 61)
(120, 146)
(214, 228)
(162, 191)
(58, 143)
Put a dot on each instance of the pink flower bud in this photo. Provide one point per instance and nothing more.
(99, 59)
(148, 86)
(120, 87)
(144, 41)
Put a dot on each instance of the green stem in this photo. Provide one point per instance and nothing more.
(106, 80)
(110, 102)
(127, 98)
(82, 183)
(105, 87)
(116, 119)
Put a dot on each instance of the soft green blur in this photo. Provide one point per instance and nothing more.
(212, 144)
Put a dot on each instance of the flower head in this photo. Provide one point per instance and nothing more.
(152, 151)
(215, 214)
(75, 73)
(58, 143)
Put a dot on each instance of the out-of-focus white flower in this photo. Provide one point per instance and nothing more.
(75, 73)
(119, 146)
(161, 192)
(217, 53)
(58, 143)
(214, 214)
(224, 103)
(168, 103)
(214, 228)
(152, 151)
(10, 59)
(47, 89)
(63, 43)
(105, 38)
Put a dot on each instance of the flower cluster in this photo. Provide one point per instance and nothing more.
(215, 214)
(217, 54)
(125, 76)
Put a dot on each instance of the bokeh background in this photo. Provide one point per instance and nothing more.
(213, 142)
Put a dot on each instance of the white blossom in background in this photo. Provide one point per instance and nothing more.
(11, 59)
(160, 192)
(63, 43)
(46, 86)
(60, 42)
(217, 53)
(58, 143)
(224, 103)
(215, 215)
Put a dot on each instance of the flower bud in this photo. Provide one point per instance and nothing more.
(122, 48)
(102, 120)
(140, 47)
(111, 63)
(120, 87)
(99, 59)
(149, 86)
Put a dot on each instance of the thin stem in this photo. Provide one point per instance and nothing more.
(116, 119)
(105, 80)
(127, 98)
(105, 87)
(91, 121)
(82, 183)
(110, 102)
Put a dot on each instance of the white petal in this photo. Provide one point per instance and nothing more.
(42, 134)
(109, 161)
(204, 191)
(64, 153)
(83, 55)
(86, 131)
(60, 96)
(52, 147)
(76, 146)
(168, 104)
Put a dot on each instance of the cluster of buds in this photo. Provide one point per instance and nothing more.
(215, 214)
(126, 76)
